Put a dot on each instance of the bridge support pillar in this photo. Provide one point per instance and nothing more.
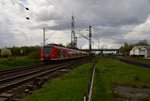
(101, 52)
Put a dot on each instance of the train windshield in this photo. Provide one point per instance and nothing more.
(47, 50)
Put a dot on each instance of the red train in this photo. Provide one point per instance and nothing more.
(54, 52)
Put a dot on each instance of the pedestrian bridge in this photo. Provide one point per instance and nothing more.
(102, 50)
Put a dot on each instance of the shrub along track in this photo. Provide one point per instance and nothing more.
(23, 80)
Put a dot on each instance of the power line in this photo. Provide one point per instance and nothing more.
(26, 9)
(52, 10)
(61, 11)
(64, 13)
(50, 35)
(67, 10)
(82, 35)
(57, 9)
(37, 14)
(21, 5)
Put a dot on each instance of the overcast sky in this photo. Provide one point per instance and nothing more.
(113, 21)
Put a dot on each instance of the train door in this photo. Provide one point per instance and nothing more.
(61, 53)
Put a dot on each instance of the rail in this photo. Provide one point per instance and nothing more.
(15, 80)
(23, 83)
(88, 95)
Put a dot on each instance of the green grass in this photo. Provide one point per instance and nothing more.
(70, 87)
(110, 73)
(137, 59)
(14, 62)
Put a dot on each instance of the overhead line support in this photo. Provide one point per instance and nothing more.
(90, 39)
(73, 42)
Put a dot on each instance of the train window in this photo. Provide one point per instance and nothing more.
(47, 50)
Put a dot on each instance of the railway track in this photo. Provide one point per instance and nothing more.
(17, 71)
(14, 80)
(11, 72)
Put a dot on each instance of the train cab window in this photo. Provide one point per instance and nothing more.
(47, 50)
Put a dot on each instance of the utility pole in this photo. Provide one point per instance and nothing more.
(90, 39)
(43, 36)
(73, 44)
(75, 41)
(99, 43)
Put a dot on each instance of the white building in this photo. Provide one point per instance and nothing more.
(140, 51)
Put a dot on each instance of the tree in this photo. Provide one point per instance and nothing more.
(126, 48)
(15, 51)
(24, 50)
(61, 45)
(70, 45)
(142, 42)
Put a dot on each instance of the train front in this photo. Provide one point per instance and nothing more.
(46, 53)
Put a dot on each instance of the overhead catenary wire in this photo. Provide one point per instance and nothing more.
(82, 35)
(37, 14)
(57, 13)
(58, 10)
(26, 8)
(62, 12)
(21, 5)
(50, 35)
(70, 14)
(29, 10)
(67, 10)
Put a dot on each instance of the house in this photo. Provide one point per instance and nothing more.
(143, 51)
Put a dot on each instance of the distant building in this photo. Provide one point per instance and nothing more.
(143, 51)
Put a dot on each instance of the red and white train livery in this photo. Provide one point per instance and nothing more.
(53, 52)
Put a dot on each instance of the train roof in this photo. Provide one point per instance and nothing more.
(61, 46)
(53, 45)
(57, 45)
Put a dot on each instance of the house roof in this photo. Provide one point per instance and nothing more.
(147, 47)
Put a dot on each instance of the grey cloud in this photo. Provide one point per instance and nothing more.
(47, 15)
(115, 12)
(110, 19)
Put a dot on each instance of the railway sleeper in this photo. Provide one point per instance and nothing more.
(22, 91)
(17, 93)
(6, 97)
(39, 82)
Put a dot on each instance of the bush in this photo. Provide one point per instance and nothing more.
(34, 55)
(5, 52)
